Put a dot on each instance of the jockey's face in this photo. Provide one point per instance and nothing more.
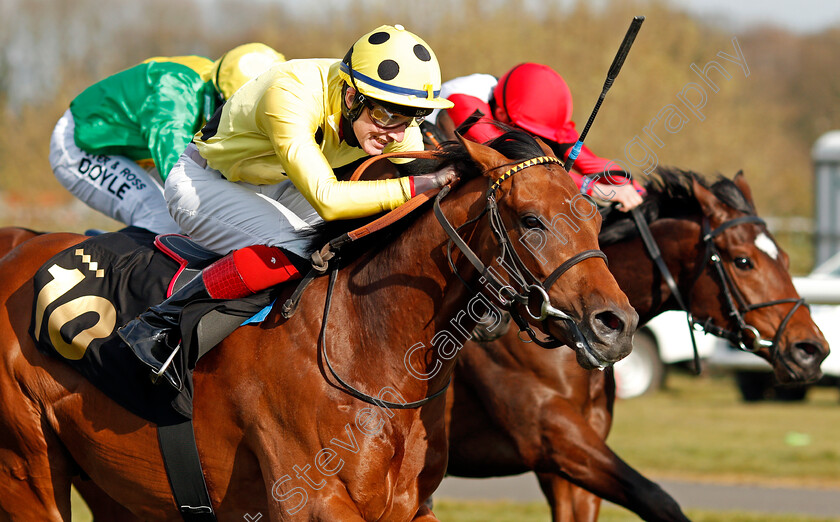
(501, 115)
(372, 136)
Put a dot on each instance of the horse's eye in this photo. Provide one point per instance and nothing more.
(744, 263)
(531, 221)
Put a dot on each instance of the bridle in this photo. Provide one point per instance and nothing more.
(532, 293)
(738, 306)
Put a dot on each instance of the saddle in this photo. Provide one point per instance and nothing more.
(85, 293)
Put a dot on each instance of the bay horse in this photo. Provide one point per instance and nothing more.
(266, 410)
(514, 407)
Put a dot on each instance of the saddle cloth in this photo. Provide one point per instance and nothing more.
(85, 293)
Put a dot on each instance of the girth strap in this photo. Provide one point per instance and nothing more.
(183, 468)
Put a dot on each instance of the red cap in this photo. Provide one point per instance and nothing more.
(538, 100)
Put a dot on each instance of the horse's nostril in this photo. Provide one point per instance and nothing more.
(610, 320)
(808, 349)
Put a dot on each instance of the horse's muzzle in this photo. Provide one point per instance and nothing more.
(607, 336)
(611, 333)
(801, 362)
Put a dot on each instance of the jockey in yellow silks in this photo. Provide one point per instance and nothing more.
(259, 177)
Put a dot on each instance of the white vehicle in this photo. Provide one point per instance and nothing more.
(662, 341)
(821, 290)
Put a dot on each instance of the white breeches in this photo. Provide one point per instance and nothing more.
(225, 216)
(114, 185)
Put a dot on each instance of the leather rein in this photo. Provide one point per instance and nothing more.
(738, 307)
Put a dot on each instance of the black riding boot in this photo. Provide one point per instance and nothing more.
(154, 336)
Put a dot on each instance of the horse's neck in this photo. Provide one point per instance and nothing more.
(407, 297)
(640, 278)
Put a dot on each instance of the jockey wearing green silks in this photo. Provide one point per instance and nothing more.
(115, 145)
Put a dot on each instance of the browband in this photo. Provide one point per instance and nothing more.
(524, 165)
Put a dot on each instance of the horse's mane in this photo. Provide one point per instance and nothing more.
(514, 144)
(670, 195)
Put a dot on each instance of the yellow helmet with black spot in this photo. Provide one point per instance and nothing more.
(240, 64)
(393, 65)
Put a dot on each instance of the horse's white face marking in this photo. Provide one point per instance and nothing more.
(767, 245)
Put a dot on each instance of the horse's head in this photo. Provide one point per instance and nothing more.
(542, 245)
(745, 291)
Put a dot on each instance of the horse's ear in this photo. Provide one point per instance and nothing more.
(741, 182)
(709, 203)
(484, 156)
(546, 149)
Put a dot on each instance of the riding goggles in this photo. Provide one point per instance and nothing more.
(387, 118)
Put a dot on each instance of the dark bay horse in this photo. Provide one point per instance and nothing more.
(515, 407)
(276, 433)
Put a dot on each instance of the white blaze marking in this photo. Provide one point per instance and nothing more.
(766, 245)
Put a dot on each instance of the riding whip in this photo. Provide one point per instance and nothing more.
(618, 61)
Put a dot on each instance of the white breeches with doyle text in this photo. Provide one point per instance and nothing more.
(111, 184)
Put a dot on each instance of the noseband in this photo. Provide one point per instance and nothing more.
(738, 307)
(532, 293)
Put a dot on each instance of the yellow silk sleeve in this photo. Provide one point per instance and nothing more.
(291, 119)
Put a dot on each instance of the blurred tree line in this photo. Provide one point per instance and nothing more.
(764, 123)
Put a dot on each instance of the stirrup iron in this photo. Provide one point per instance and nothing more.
(155, 375)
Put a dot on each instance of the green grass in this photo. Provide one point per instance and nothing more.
(448, 510)
(699, 428)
